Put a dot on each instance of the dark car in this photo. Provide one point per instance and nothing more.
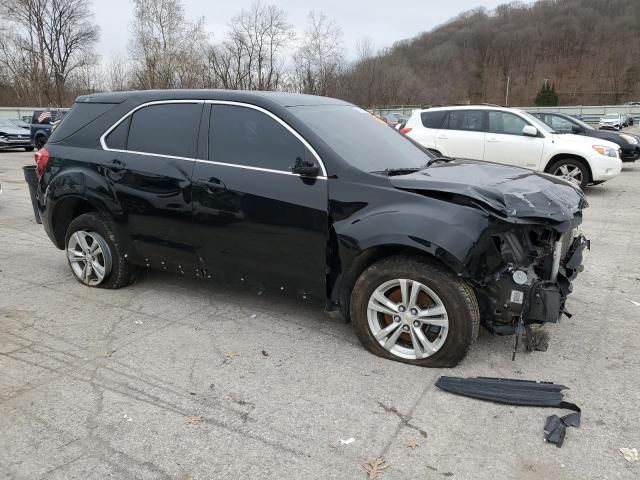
(42, 122)
(561, 123)
(313, 196)
(13, 136)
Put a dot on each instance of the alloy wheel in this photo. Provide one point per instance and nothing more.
(569, 172)
(408, 319)
(89, 257)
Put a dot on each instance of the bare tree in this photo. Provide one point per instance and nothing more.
(165, 45)
(56, 37)
(250, 57)
(117, 74)
(320, 58)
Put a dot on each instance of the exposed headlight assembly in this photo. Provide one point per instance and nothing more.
(606, 151)
(629, 139)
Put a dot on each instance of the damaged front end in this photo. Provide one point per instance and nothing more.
(529, 273)
(530, 249)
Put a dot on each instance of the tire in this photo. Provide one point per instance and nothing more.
(40, 141)
(28, 149)
(570, 166)
(94, 227)
(442, 290)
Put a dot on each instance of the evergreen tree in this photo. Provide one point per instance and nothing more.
(547, 96)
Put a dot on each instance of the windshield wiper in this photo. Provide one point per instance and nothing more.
(437, 159)
(389, 172)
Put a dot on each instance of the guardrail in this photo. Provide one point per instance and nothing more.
(588, 113)
(17, 112)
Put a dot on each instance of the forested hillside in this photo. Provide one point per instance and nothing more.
(590, 50)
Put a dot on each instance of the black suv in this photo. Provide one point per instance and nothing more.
(312, 196)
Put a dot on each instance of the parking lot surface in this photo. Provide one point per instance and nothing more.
(181, 378)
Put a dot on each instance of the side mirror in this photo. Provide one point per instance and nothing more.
(576, 129)
(305, 168)
(530, 131)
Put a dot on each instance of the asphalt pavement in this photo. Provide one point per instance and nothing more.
(185, 379)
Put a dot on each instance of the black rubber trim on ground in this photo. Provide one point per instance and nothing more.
(519, 392)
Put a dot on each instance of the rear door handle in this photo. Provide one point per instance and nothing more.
(212, 185)
(442, 137)
(493, 140)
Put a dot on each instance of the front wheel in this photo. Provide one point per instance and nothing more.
(95, 254)
(40, 141)
(414, 311)
(572, 170)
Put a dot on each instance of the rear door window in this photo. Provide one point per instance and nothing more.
(166, 129)
(245, 136)
(466, 120)
(433, 119)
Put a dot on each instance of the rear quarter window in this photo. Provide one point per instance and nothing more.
(433, 119)
(80, 115)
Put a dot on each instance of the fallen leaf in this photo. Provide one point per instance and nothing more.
(630, 454)
(264, 352)
(412, 444)
(107, 354)
(231, 355)
(193, 419)
(375, 468)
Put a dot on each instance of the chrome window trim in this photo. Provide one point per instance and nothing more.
(105, 147)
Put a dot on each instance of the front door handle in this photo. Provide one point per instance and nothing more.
(493, 140)
(442, 137)
(212, 185)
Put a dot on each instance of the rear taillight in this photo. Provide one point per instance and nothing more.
(42, 159)
(405, 130)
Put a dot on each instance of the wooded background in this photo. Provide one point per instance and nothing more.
(588, 49)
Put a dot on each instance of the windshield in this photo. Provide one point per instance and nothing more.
(361, 140)
(584, 125)
(611, 116)
(539, 124)
(6, 123)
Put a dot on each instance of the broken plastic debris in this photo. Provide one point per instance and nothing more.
(127, 417)
(138, 322)
(253, 316)
(630, 454)
(637, 304)
(348, 441)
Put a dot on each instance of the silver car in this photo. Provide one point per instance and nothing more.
(611, 121)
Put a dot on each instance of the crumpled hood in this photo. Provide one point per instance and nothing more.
(512, 191)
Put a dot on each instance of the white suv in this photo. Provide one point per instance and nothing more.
(513, 137)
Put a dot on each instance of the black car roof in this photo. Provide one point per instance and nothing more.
(247, 96)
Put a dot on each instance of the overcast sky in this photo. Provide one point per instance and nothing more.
(384, 21)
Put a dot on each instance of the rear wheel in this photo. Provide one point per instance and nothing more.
(414, 311)
(95, 254)
(40, 141)
(572, 170)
